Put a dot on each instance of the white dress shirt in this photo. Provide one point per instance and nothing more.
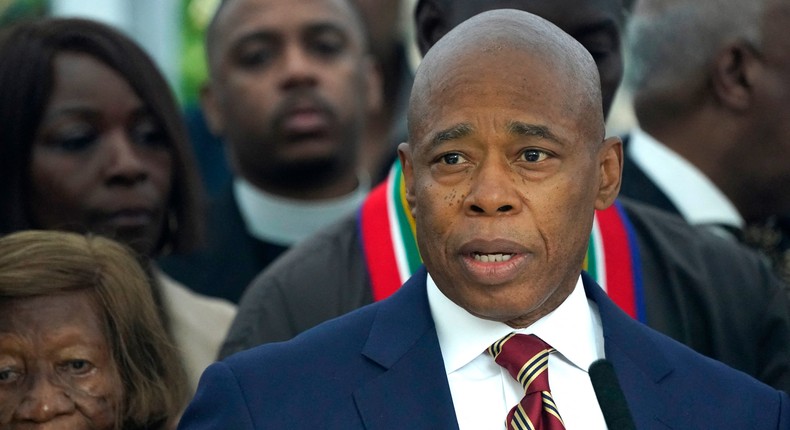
(484, 392)
(699, 201)
(285, 221)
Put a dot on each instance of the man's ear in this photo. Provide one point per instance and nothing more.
(735, 70)
(211, 110)
(429, 24)
(407, 167)
(610, 160)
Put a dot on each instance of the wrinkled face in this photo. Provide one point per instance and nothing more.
(290, 86)
(56, 367)
(596, 24)
(502, 178)
(100, 162)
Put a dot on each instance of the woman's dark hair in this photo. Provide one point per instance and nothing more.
(28, 52)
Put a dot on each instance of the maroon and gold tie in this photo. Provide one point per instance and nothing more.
(526, 357)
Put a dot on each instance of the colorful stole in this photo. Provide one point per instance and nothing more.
(388, 240)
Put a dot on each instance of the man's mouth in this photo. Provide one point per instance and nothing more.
(305, 121)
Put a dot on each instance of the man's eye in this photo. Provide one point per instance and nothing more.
(452, 158)
(326, 42)
(534, 155)
(254, 56)
(328, 46)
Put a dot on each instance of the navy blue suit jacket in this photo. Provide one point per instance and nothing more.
(380, 367)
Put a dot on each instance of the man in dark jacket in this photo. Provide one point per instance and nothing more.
(710, 294)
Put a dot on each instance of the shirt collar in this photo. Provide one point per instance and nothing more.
(573, 329)
(285, 221)
(694, 194)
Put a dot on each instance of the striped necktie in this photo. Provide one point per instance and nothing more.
(526, 358)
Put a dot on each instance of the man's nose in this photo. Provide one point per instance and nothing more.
(299, 68)
(493, 190)
(44, 401)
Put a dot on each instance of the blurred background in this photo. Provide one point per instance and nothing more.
(171, 31)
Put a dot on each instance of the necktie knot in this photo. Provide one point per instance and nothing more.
(526, 358)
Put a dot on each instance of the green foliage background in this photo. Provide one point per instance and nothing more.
(196, 15)
(15, 10)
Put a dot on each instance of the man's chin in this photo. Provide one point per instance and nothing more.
(309, 171)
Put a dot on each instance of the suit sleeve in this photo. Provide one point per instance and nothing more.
(784, 411)
(774, 340)
(218, 403)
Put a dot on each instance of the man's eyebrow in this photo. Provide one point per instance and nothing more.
(260, 35)
(455, 132)
(327, 26)
(533, 130)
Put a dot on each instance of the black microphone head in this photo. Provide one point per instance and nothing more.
(610, 397)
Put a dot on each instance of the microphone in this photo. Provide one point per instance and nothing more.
(610, 397)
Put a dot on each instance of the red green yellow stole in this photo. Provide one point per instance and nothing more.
(388, 240)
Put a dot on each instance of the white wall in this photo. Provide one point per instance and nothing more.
(154, 24)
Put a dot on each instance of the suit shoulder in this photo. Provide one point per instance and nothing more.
(716, 383)
(332, 250)
(671, 235)
(686, 389)
(336, 340)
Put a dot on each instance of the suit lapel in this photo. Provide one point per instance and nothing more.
(412, 391)
(640, 364)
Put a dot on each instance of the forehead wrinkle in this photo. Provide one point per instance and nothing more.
(263, 35)
(314, 27)
(533, 130)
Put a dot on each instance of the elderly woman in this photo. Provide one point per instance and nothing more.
(81, 343)
(91, 140)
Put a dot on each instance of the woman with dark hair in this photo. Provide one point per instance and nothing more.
(91, 140)
(81, 343)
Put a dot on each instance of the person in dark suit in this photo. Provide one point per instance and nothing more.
(713, 142)
(699, 289)
(290, 88)
(505, 165)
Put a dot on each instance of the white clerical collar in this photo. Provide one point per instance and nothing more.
(285, 221)
(694, 194)
(573, 329)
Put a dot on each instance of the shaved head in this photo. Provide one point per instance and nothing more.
(516, 47)
(507, 157)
